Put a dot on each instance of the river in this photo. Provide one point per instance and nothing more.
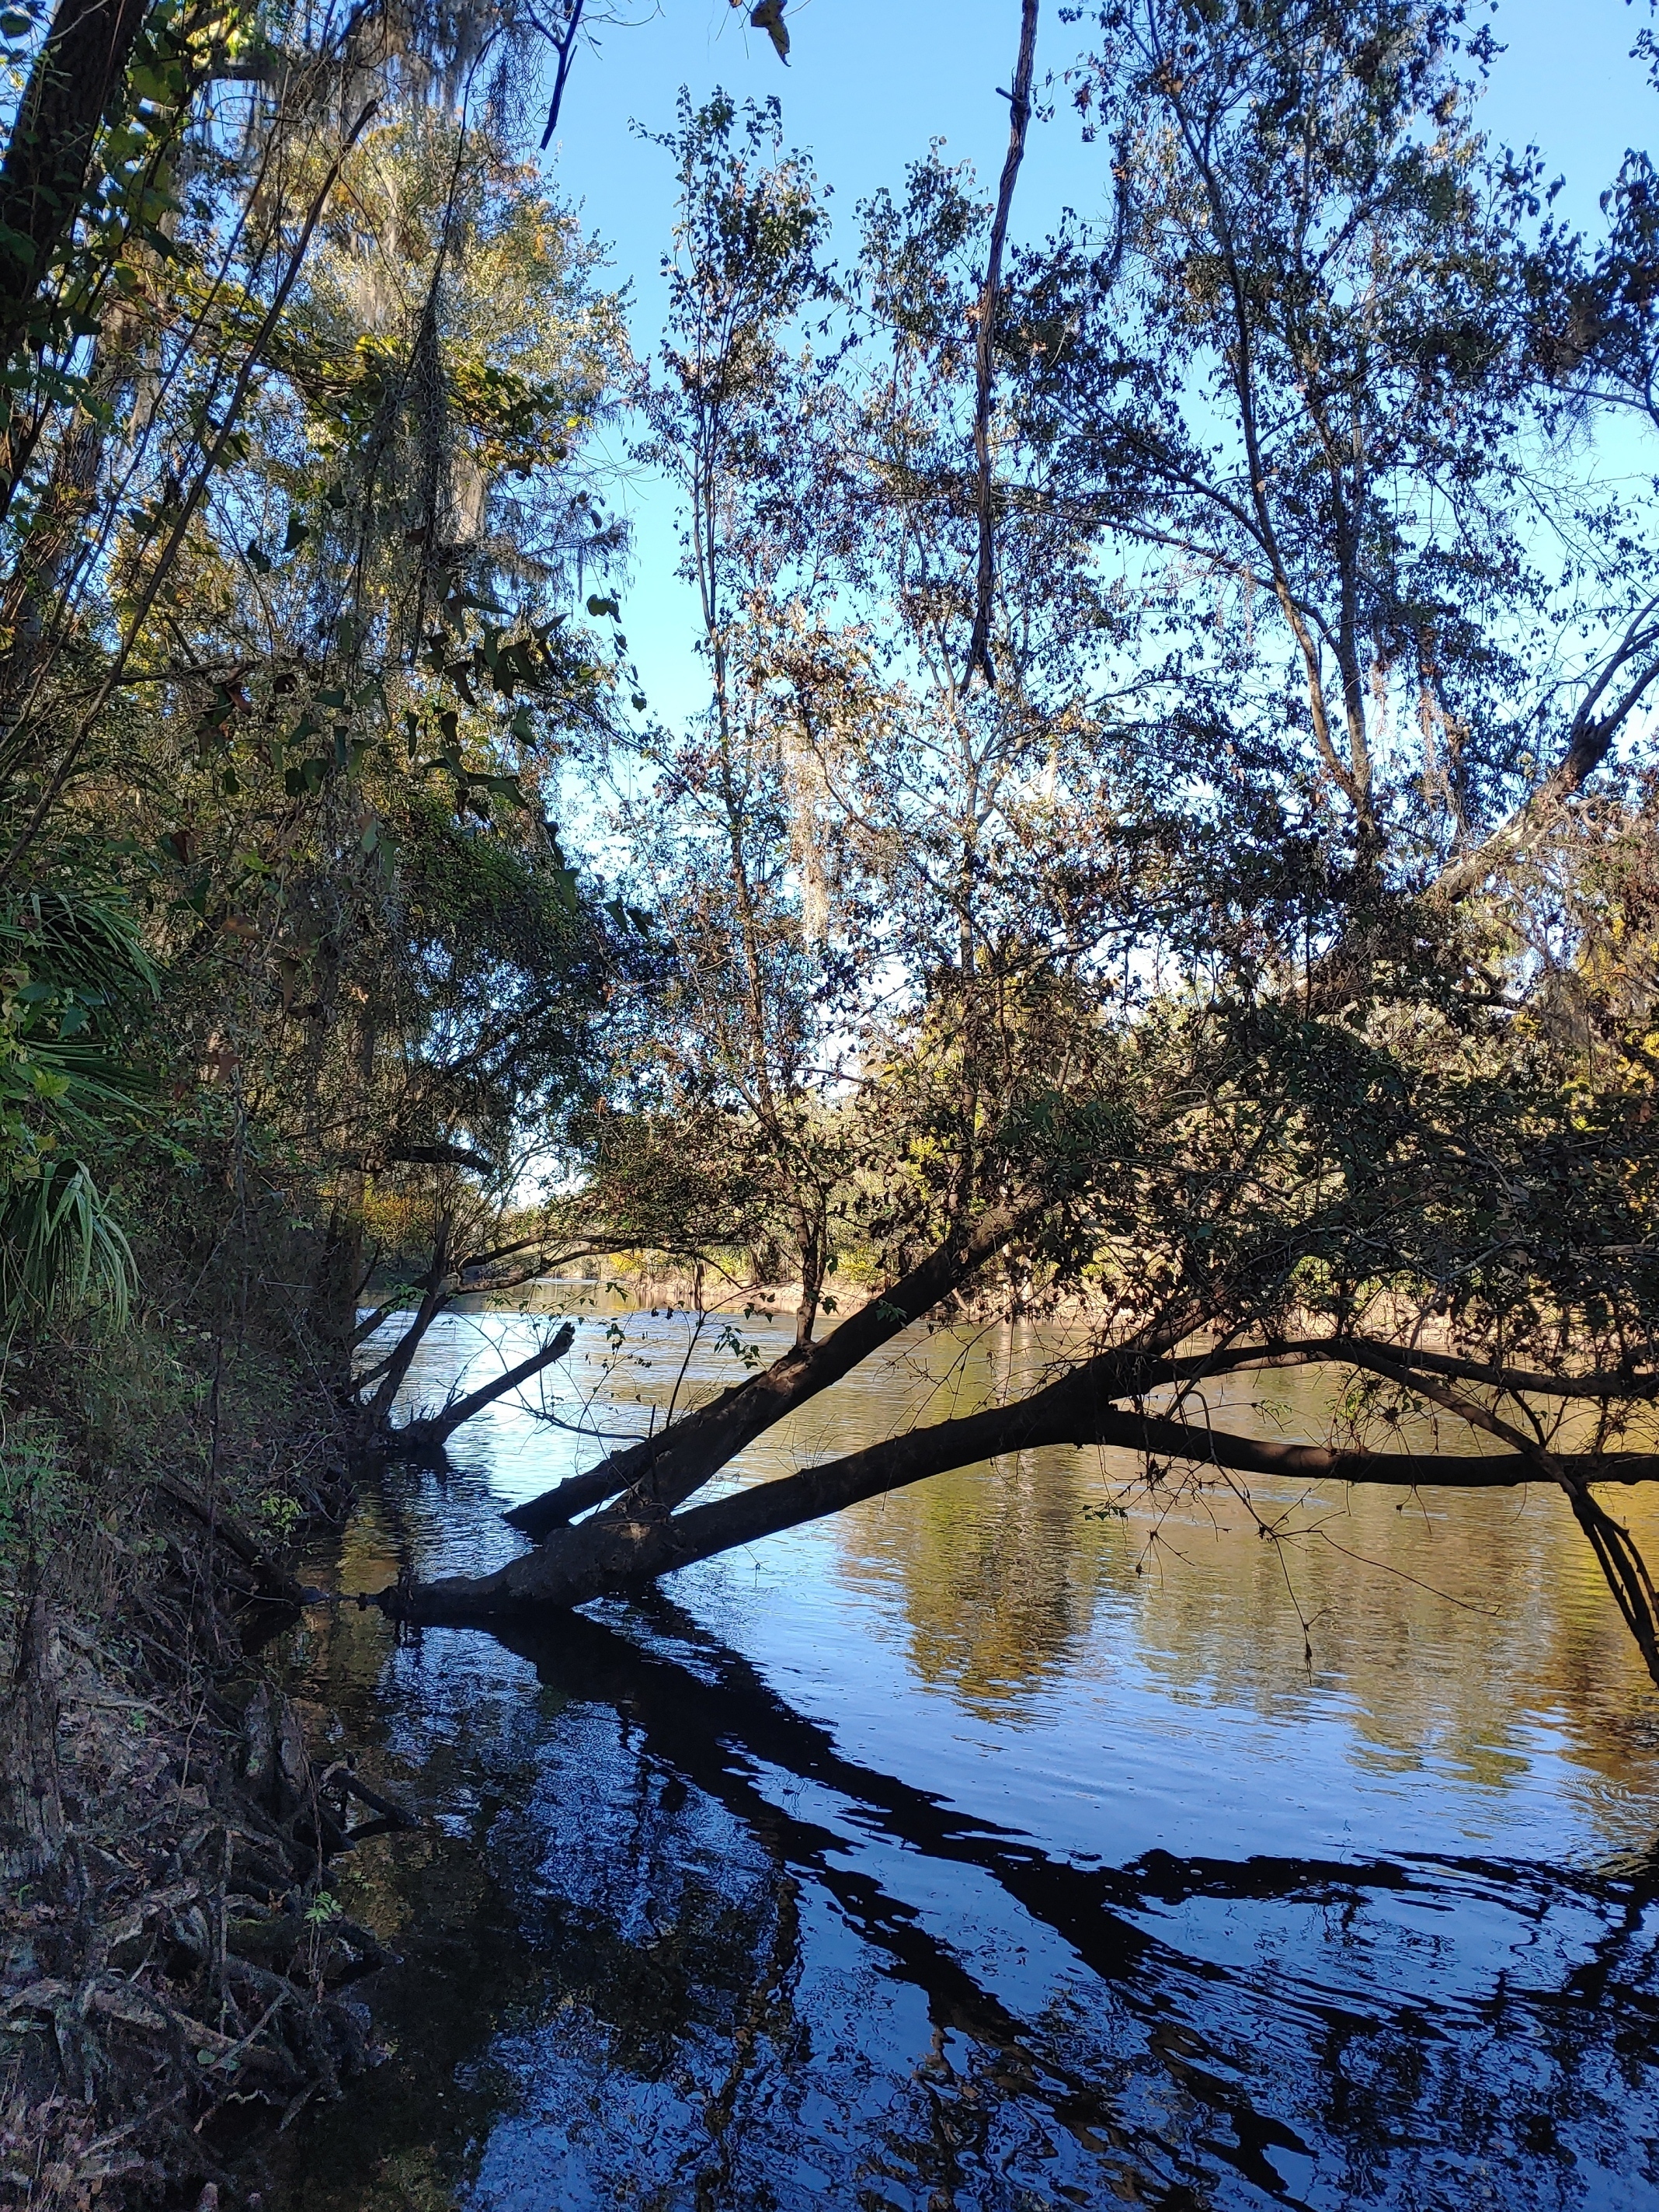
(995, 1844)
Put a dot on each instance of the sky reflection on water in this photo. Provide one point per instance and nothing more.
(936, 1857)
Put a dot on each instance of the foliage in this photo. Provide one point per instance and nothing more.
(1239, 923)
(296, 518)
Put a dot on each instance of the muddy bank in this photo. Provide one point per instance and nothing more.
(176, 1975)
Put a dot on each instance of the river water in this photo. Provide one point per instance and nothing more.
(995, 1844)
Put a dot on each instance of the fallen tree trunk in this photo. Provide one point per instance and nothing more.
(270, 1579)
(617, 1553)
(672, 1465)
(433, 1430)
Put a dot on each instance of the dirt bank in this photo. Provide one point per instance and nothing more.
(174, 1972)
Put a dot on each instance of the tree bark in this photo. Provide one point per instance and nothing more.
(683, 1457)
(32, 1831)
(49, 153)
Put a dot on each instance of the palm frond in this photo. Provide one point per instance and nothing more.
(61, 1246)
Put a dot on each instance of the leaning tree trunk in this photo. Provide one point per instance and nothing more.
(617, 1552)
(389, 1375)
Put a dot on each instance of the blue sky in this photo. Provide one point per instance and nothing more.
(871, 82)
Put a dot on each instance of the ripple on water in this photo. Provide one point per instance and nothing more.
(977, 1848)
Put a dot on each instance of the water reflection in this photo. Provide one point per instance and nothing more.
(971, 1851)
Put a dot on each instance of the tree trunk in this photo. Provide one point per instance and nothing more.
(812, 1279)
(336, 1284)
(48, 156)
(388, 1377)
(31, 1807)
(680, 1460)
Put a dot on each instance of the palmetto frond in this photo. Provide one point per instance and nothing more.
(74, 972)
(61, 1246)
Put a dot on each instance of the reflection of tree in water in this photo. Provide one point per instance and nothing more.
(999, 1576)
(1000, 1566)
(711, 1985)
(1160, 2077)
(643, 1897)
(1450, 1628)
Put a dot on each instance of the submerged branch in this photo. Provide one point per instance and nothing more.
(433, 1431)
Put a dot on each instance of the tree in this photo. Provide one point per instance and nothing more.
(1215, 998)
(293, 524)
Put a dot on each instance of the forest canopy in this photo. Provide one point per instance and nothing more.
(1167, 847)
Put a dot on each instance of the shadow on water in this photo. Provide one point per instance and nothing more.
(740, 1898)
(642, 1942)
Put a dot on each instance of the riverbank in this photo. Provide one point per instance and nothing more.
(174, 1965)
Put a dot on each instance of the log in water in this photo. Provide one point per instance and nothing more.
(995, 1844)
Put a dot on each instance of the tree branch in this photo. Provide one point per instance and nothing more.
(436, 1429)
(1019, 116)
(1590, 740)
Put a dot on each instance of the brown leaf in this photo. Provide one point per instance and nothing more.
(768, 17)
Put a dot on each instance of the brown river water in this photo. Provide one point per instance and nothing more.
(994, 1844)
